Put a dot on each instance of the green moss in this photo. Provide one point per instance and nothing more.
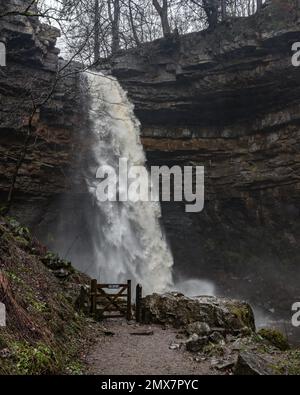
(275, 337)
(75, 368)
(13, 276)
(54, 262)
(22, 242)
(35, 359)
(214, 350)
(245, 316)
(17, 228)
(45, 331)
(39, 358)
(289, 364)
(39, 307)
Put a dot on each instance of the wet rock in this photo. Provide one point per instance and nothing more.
(200, 328)
(174, 346)
(237, 345)
(196, 343)
(180, 311)
(225, 365)
(275, 338)
(216, 337)
(62, 273)
(252, 365)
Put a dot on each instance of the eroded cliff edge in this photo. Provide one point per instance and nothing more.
(229, 100)
(34, 75)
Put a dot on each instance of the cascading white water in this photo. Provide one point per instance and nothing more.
(128, 240)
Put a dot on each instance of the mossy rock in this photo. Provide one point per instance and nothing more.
(244, 315)
(52, 261)
(275, 337)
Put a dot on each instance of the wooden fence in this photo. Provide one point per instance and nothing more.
(114, 300)
(111, 300)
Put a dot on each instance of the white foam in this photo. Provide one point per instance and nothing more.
(128, 239)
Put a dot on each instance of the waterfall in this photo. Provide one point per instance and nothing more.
(128, 240)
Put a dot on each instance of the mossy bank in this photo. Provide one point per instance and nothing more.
(44, 332)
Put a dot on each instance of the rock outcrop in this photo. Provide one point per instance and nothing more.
(252, 365)
(216, 314)
(30, 76)
(229, 100)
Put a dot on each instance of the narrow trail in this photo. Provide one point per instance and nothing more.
(127, 354)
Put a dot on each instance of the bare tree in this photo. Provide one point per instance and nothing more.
(211, 10)
(114, 16)
(163, 11)
(223, 9)
(97, 32)
(111, 25)
(132, 23)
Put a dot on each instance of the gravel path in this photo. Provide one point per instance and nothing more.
(126, 354)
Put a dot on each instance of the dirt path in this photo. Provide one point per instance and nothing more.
(126, 354)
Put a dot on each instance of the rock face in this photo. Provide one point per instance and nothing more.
(252, 365)
(228, 100)
(179, 311)
(28, 78)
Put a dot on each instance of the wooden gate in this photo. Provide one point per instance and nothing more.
(111, 300)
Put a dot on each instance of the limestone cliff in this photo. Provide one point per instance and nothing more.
(229, 100)
(30, 76)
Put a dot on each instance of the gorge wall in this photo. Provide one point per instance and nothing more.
(228, 100)
(33, 73)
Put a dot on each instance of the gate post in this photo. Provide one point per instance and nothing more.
(138, 312)
(129, 300)
(93, 296)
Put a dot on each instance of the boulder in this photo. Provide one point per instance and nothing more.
(203, 312)
(275, 338)
(216, 337)
(200, 328)
(249, 364)
(196, 343)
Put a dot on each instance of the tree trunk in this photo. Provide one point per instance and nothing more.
(223, 9)
(116, 27)
(97, 32)
(134, 32)
(259, 4)
(114, 17)
(211, 10)
(163, 13)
